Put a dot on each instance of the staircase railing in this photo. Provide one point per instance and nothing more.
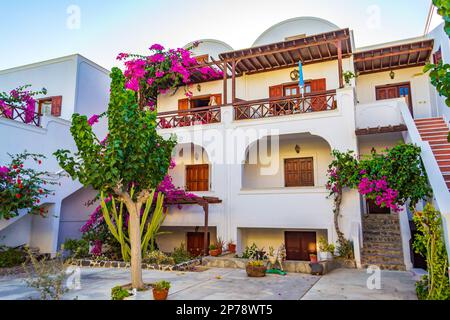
(435, 177)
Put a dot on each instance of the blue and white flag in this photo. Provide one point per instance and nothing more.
(300, 78)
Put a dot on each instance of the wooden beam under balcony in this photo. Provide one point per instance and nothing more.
(378, 130)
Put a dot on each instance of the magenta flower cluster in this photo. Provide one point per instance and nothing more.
(22, 100)
(163, 70)
(379, 191)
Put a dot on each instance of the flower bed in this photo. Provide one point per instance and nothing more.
(185, 266)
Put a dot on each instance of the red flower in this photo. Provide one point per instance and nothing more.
(39, 161)
(15, 167)
(40, 191)
(18, 196)
(38, 201)
(21, 165)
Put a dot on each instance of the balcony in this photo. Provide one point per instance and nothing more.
(188, 118)
(20, 114)
(284, 106)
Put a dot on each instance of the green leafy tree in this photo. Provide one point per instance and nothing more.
(129, 166)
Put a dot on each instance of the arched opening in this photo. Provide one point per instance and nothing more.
(288, 161)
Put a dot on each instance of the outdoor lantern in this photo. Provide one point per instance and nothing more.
(294, 75)
(297, 149)
(392, 75)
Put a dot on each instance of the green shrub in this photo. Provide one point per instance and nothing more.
(77, 248)
(254, 253)
(158, 257)
(430, 244)
(324, 246)
(345, 250)
(119, 293)
(181, 255)
(161, 285)
(10, 257)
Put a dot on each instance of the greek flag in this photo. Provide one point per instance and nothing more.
(300, 78)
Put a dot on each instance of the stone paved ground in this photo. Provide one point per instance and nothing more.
(230, 284)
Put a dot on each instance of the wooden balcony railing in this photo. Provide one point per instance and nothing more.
(283, 106)
(187, 118)
(20, 114)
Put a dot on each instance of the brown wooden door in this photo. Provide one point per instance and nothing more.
(300, 245)
(299, 172)
(318, 103)
(394, 91)
(195, 243)
(197, 177)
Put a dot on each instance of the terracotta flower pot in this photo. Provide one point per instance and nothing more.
(232, 248)
(313, 258)
(214, 253)
(160, 295)
(256, 272)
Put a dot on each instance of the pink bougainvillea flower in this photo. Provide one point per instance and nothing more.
(122, 56)
(93, 120)
(157, 47)
(159, 74)
(4, 171)
(132, 84)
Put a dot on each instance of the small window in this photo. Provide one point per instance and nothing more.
(299, 172)
(197, 177)
(50, 106)
(437, 56)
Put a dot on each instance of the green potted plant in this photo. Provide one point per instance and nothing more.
(220, 244)
(231, 246)
(214, 250)
(256, 269)
(348, 76)
(326, 250)
(161, 290)
(119, 293)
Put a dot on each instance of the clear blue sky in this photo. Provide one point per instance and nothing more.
(36, 30)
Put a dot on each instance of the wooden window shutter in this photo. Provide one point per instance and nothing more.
(183, 104)
(299, 172)
(318, 85)
(56, 106)
(197, 177)
(276, 91)
(307, 172)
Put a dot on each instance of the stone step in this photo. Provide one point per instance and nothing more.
(389, 267)
(382, 239)
(383, 245)
(431, 125)
(441, 148)
(443, 163)
(442, 152)
(380, 251)
(438, 142)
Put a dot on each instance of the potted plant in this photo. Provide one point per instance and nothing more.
(232, 247)
(220, 244)
(256, 269)
(326, 250)
(348, 76)
(214, 250)
(161, 290)
(313, 258)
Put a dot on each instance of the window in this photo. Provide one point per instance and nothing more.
(50, 106)
(299, 172)
(200, 102)
(291, 90)
(372, 208)
(437, 56)
(197, 177)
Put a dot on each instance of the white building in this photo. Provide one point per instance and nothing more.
(279, 198)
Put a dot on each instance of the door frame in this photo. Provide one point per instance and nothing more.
(301, 232)
(406, 83)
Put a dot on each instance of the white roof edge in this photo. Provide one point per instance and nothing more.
(52, 61)
(392, 43)
(209, 40)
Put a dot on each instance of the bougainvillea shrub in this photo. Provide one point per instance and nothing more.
(22, 187)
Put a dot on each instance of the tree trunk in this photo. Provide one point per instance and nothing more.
(136, 253)
(337, 213)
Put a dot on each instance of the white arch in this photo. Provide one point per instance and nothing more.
(308, 25)
(212, 47)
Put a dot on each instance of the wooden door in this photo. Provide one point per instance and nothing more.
(300, 245)
(197, 178)
(195, 243)
(318, 103)
(394, 91)
(299, 172)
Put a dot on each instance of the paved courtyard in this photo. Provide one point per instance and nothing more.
(232, 284)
